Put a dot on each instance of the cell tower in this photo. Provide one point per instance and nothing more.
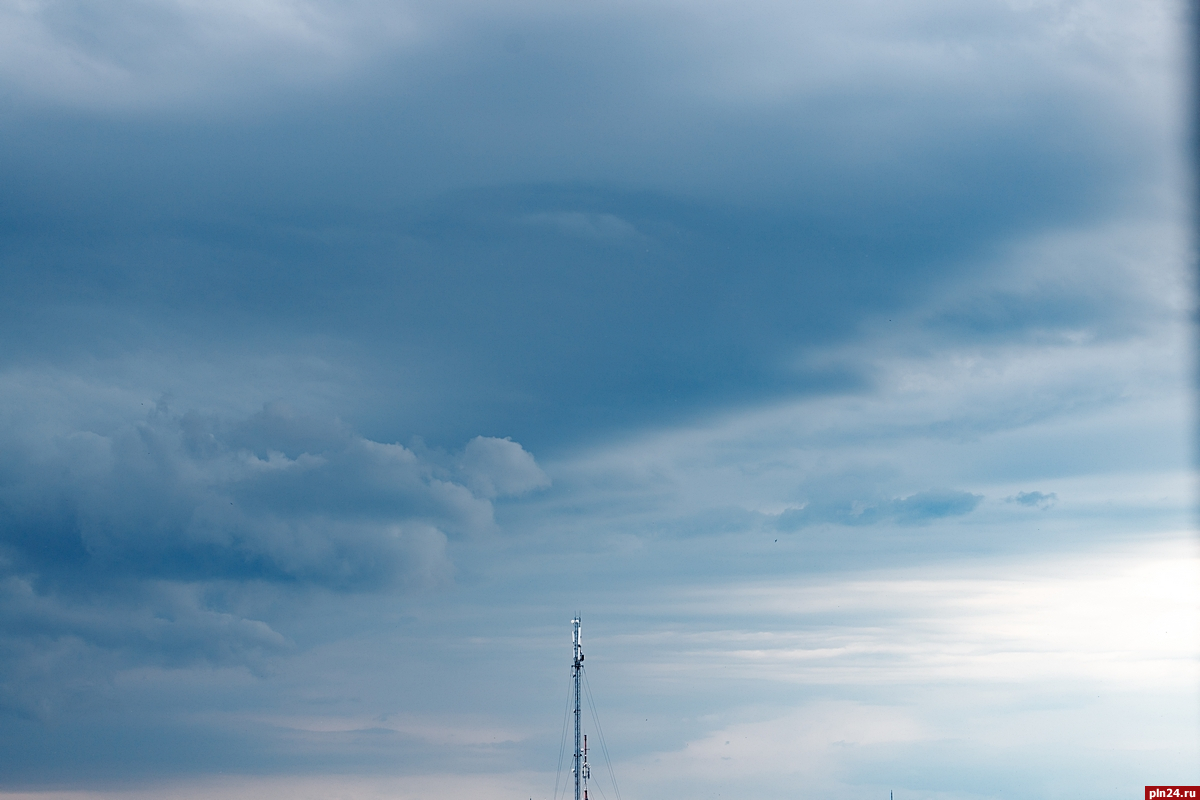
(580, 770)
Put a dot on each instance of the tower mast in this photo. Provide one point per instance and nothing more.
(577, 674)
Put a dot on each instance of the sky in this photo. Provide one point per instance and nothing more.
(833, 361)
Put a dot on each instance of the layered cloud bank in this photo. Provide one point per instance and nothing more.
(126, 545)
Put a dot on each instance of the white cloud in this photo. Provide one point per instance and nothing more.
(496, 467)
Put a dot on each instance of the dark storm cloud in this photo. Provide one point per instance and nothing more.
(496, 248)
(547, 313)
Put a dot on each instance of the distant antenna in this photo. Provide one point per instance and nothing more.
(577, 674)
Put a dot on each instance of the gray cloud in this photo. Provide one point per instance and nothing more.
(274, 497)
(60, 649)
(128, 546)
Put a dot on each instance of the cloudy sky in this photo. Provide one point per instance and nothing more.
(833, 360)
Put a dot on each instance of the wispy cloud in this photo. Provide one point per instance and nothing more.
(1040, 500)
(916, 508)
